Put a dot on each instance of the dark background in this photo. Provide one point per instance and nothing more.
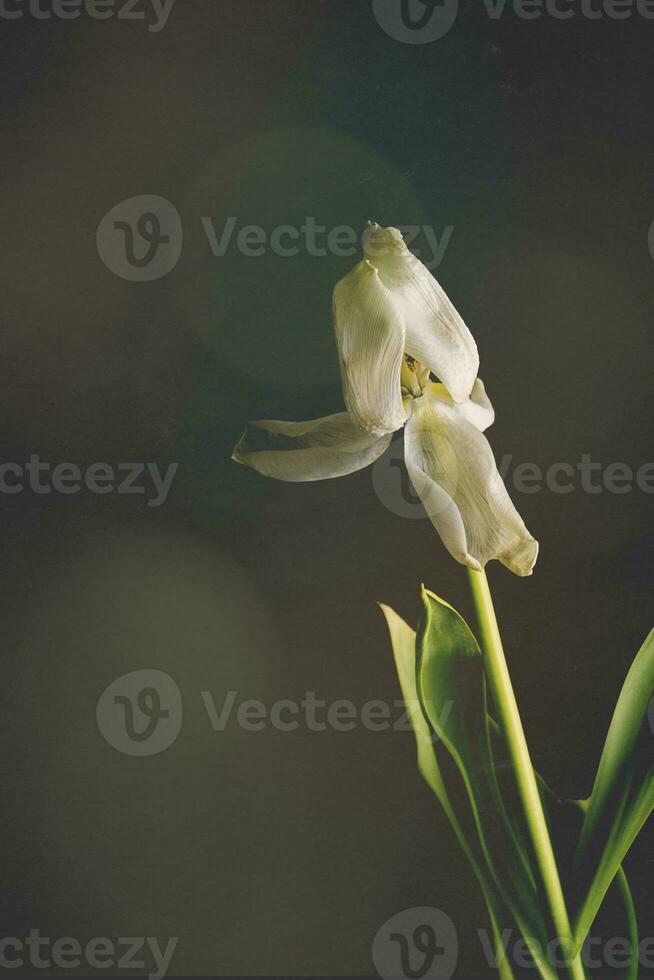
(283, 853)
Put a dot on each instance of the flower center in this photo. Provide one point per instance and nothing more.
(413, 377)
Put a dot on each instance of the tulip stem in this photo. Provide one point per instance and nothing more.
(506, 705)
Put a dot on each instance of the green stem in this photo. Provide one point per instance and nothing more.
(511, 725)
(632, 922)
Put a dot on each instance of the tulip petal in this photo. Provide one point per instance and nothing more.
(435, 332)
(452, 468)
(477, 410)
(370, 337)
(305, 451)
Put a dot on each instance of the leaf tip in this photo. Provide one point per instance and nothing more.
(428, 594)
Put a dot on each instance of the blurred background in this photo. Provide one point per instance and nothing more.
(526, 146)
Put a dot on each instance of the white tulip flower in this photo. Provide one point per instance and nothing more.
(388, 306)
(395, 327)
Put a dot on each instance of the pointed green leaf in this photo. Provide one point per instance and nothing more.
(623, 794)
(565, 817)
(451, 685)
(626, 897)
(403, 641)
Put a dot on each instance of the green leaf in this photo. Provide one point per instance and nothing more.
(623, 794)
(626, 897)
(565, 817)
(451, 685)
(403, 641)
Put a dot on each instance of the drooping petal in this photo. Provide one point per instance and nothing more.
(370, 337)
(435, 333)
(305, 451)
(477, 410)
(452, 468)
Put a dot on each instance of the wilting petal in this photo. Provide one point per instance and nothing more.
(435, 333)
(477, 409)
(370, 336)
(453, 470)
(303, 451)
